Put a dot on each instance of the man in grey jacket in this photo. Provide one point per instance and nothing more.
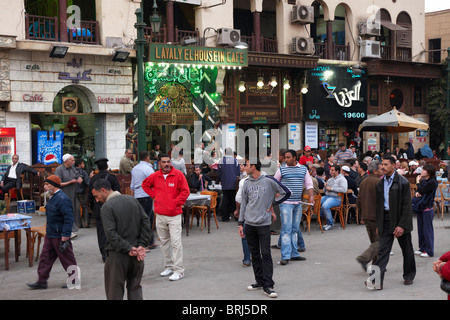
(335, 185)
(127, 231)
(258, 194)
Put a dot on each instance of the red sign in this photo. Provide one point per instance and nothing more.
(31, 98)
(112, 100)
(7, 131)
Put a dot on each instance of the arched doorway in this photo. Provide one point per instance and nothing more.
(83, 131)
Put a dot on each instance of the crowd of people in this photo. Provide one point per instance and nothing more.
(265, 197)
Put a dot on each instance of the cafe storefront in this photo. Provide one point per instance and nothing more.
(335, 105)
(184, 86)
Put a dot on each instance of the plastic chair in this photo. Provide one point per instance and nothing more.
(348, 206)
(340, 210)
(316, 210)
(202, 210)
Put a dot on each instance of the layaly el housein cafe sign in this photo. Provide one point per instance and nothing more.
(166, 53)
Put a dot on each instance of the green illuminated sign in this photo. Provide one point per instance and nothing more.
(175, 54)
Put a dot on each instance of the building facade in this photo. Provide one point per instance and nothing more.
(313, 70)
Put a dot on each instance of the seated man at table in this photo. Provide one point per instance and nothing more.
(12, 177)
(198, 180)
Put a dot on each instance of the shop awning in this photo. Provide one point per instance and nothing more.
(392, 26)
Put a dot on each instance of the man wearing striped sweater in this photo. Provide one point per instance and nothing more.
(294, 176)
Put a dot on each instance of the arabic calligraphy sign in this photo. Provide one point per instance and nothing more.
(336, 94)
(79, 76)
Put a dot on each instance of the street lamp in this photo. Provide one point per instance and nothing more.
(140, 43)
(155, 19)
(447, 109)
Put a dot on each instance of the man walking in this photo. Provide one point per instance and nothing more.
(294, 176)
(343, 155)
(103, 173)
(258, 194)
(59, 213)
(127, 231)
(138, 174)
(394, 221)
(367, 194)
(228, 173)
(169, 190)
(69, 181)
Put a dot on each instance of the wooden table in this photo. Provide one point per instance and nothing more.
(195, 199)
(14, 223)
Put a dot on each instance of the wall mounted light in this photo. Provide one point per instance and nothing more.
(188, 41)
(240, 45)
(260, 82)
(120, 55)
(58, 51)
(241, 86)
(273, 81)
(286, 84)
(304, 89)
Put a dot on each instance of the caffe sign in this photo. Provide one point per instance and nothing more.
(166, 53)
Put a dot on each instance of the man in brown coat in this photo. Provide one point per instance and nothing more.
(366, 206)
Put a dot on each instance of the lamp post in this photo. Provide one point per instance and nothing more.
(140, 43)
(447, 109)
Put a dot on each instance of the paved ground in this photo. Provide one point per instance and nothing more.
(214, 271)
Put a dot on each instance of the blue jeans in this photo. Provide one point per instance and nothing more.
(326, 203)
(290, 234)
(246, 250)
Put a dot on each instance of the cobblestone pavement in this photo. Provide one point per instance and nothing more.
(214, 270)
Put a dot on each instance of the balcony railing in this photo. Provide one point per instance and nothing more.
(162, 37)
(338, 52)
(88, 33)
(266, 44)
(41, 28)
(400, 54)
(47, 29)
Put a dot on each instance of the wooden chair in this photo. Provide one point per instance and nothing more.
(8, 196)
(37, 233)
(441, 198)
(348, 206)
(202, 210)
(413, 189)
(315, 210)
(340, 210)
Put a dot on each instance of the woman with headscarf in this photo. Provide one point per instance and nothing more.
(426, 151)
(409, 150)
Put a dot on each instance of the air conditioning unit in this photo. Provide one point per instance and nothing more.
(228, 36)
(370, 49)
(302, 14)
(114, 42)
(69, 105)
(302, 45)
(369, 28)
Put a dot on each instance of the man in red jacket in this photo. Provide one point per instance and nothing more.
(169, 189)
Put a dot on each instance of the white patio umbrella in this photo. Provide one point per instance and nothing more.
(393, 121)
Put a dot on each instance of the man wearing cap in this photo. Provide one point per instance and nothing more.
(103, 173)
(307, 158)
(413, 166)
(59, 213)
(69, 181)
